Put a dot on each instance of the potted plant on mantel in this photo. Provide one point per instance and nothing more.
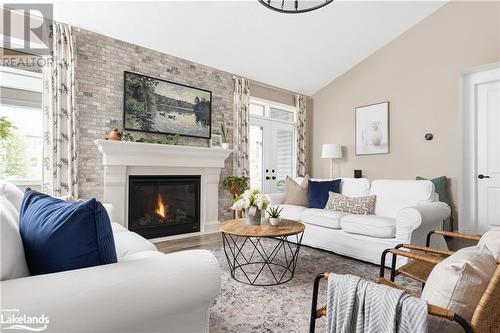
(225, 134)
(114, 135)
(119, 134)
(236, 186)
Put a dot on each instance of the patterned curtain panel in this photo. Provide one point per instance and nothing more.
(241, 116)
(300, 131)
(60, 167)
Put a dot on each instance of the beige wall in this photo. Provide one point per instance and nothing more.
(418, 73)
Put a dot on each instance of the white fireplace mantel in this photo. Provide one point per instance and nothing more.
(122, 159)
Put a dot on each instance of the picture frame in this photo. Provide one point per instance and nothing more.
(372, 129)
(216, 141)
(154, 105)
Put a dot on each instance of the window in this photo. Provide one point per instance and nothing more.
(278, 114)
(21, 126)
(272, 145)
(257, 109)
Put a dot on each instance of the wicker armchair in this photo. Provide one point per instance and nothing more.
(486, 317)
(432, 309)
(423, 258)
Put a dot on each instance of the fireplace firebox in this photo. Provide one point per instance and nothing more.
(160, 206)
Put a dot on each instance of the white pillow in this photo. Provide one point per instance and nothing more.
(354, 187)
(13, 262)
(457, 283)
(491, 240)
(12, 193)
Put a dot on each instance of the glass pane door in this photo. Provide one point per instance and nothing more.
(256, 156)
(272, 154)
(284, 157)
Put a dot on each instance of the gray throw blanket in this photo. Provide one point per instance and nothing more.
(357, 306)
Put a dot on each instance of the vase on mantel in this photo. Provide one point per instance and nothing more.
(253, 216)
(114, 135)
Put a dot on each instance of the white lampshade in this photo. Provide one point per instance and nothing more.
(331, 150)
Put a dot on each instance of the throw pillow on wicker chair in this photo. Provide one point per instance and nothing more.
(457, 284)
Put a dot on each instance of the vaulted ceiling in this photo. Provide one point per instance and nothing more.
(300, 52)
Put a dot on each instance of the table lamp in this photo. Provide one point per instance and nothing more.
(331, 151)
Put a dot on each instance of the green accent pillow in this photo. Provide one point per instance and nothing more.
(441, 187)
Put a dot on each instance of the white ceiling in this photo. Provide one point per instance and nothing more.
(300, 52)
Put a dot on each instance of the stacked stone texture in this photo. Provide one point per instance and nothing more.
(101, 62)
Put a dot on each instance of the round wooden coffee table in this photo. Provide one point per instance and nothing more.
(262, 255)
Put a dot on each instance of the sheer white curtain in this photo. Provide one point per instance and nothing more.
(241, 129)
(60, 153)
(300, 134)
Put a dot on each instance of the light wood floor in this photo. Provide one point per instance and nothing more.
(206, 242)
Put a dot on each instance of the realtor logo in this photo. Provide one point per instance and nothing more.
(12, 319)
(27, 28)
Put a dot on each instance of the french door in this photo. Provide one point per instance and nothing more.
(480, 170)
(272, 153)
(488, 154)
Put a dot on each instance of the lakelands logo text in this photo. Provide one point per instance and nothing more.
(12, 319)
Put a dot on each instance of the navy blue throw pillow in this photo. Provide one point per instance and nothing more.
(60, 236)
(318, 192)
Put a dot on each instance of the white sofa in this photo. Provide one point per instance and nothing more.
(405, 211)
(146, 291)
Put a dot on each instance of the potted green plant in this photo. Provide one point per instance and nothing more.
(225, 134)
(236, 186)
(274, 215)
(253, 202)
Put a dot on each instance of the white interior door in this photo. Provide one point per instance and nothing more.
(488, 155)
(271, 154)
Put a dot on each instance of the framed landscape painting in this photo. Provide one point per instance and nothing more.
(372, 129)
(158, 106)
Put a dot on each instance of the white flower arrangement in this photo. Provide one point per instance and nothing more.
(251, 198)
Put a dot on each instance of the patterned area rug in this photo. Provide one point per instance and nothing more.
(283, 308)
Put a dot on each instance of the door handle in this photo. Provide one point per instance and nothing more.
(481, 176)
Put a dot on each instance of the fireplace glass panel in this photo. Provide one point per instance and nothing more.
(162, 206)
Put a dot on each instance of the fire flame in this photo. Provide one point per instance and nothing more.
(161, 208)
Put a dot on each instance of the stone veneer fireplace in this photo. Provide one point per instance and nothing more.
(126, 164)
